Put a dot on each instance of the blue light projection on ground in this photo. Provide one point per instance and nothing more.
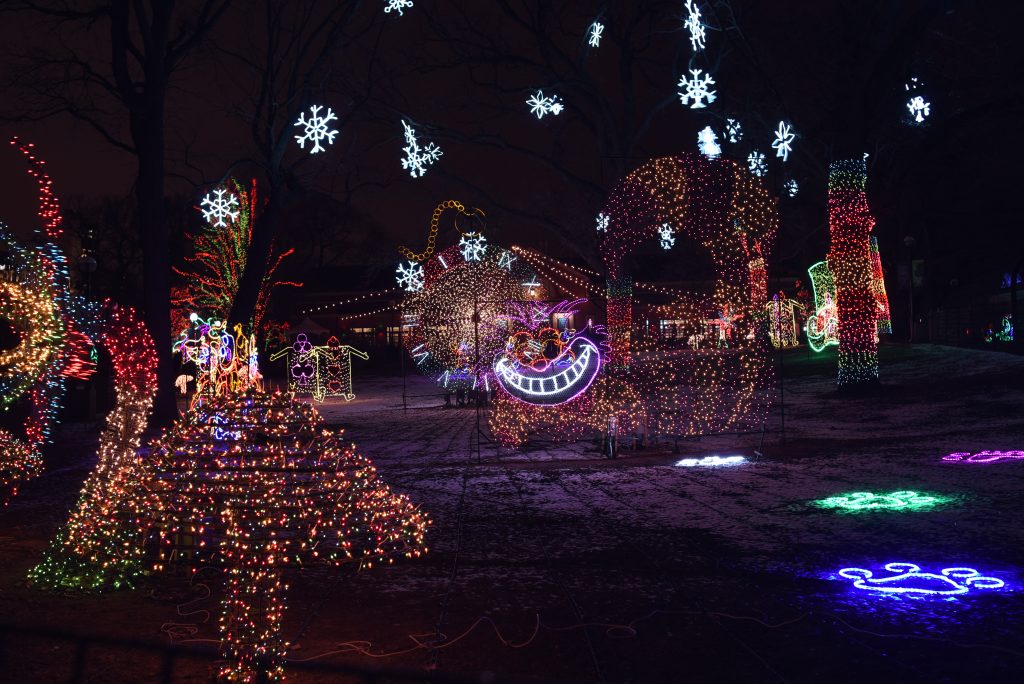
(908, 579)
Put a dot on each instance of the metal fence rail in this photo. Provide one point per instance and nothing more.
(170, 655)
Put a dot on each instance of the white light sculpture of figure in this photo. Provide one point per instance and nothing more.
(756, 163)
(410, 277)
(697, 89)
(473, 246)
(783, 143)
(541, 105)
(397, 5)
(791, 187)
(219, 208)
(668, 238)
(733, 130)
(596, 29)
(695, 26)
(417, 160)
(316, 128)
(918, 108)
(707, 142)
(602, 222)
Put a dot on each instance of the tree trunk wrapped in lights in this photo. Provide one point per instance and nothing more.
(257, 483)
(850, 261)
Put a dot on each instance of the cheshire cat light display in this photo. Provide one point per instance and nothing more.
(720, 207)
(542, 365)
(456, 321)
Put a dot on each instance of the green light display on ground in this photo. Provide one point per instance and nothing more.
(906, 500)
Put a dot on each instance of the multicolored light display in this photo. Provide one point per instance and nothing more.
(823, 323)
(909, 579)
(850, 261)
(321, 370)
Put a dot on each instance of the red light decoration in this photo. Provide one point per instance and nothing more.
(850, 261)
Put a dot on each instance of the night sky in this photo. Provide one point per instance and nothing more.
(461, 72)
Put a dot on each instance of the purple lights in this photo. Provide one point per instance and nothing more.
(983, 456)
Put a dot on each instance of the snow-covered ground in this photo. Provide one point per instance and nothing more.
(556, 562)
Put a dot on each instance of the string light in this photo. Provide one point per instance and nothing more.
(908, 578)
(323, 371)
(850, 261)
(883, 321)
(782, 327)
(823, 324)
(983, 456)
(352, 300)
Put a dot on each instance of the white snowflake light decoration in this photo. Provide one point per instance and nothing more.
(219, 208)
(397, 5)
(473, 246)
(919, 109)
(316, 128)
(596, 29)
(784, 137)
(668, 238)
(733, 130)
(707, 142)
(602, 222)
(541, 105)
(791, 187)
(756, 164)
(415, 159)
(505, 260)
(410, 277)
(697, 89)
(695, 26)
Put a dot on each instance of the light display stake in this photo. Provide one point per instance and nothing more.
(983, 456)
(711, 461)
(903, 500)
(698, 89)
(733, 130)
(707, 142)
(397, 5)
(783, 143)
(417, 160)
(757, 164)
(849, 260)
(219, 208)
(791, 187)
(315, 128)
(909, 579)
(695, 26)
(540, 105)
(410, 278)
(595, 31)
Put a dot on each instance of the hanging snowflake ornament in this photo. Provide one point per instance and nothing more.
(417, 160)
(397, 5)
(668, 238)
(316, 128)
(733, 130)
(602, 222)
(784, 137)
(473, 246)
(596, 29)
(707, 142)
(410, 277)
(219, 208)
(791, 187)
(918, 108)
(757, 164)
(695, 26)
(697, 89)
(541, 105)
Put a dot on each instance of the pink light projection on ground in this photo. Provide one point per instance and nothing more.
(984, 456)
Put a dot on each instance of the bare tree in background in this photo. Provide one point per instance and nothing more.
(123, 96)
